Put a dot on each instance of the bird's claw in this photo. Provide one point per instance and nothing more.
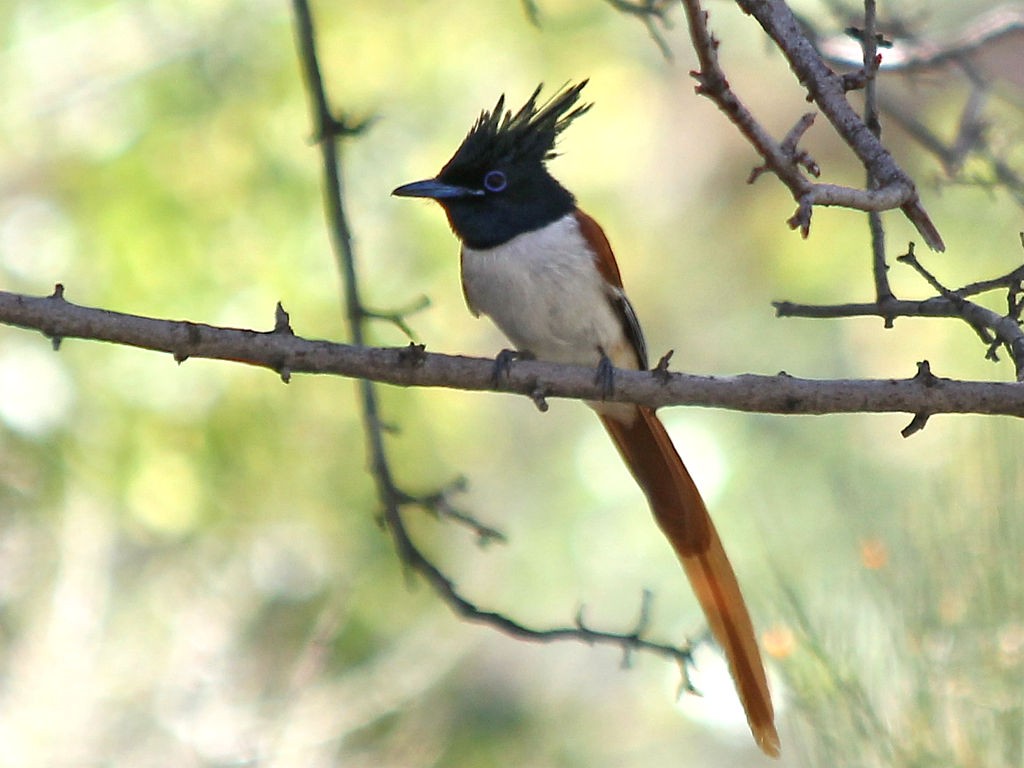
(503, 364)
(604, 376)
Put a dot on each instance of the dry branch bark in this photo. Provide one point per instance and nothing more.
(894, 188)
(285, 353)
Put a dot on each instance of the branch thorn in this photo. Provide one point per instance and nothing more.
(539, 397)
(282, 321)
(924, 374)
(660, 371)
(790, 147)
(802, 218)
(412, 355)
(916, 424)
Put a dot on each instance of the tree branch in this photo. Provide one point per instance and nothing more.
(1001, 26)
(894, 189)
(281, 351)
(984, 55)
(994, 329)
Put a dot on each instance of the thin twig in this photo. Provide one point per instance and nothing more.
(398, 317)
(828, 91)
(879, 264)
(440, 504)
(994, 329)
(1010, 280)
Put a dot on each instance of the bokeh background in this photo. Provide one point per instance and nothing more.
(191, 570)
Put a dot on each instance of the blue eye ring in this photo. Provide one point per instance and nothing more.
(495, 181)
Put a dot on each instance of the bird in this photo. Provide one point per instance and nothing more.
(544, 272)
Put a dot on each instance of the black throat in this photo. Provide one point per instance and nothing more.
(488, 221)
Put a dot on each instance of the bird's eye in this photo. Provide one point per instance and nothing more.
(495, 181)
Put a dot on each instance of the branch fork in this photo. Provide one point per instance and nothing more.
(894, 188)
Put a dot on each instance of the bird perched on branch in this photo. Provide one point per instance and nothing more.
(544, 272)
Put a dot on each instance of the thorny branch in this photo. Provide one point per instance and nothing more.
(329, 130)
(893, 188)
(1000, 26)
(869, 68)
(996, 331)
(985, 52)
(280, 350)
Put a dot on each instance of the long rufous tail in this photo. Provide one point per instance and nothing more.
(679, 509)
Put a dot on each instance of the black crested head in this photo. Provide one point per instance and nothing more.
(528, 137)
(496, 185)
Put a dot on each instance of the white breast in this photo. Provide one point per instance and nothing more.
(543, 290)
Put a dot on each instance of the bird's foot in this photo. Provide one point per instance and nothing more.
(503, 364)
(605, 375)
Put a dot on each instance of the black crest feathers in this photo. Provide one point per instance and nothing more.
(528, 136)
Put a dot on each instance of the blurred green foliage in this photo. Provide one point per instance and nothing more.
(191, 572)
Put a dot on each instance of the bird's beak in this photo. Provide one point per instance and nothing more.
(435, 190)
